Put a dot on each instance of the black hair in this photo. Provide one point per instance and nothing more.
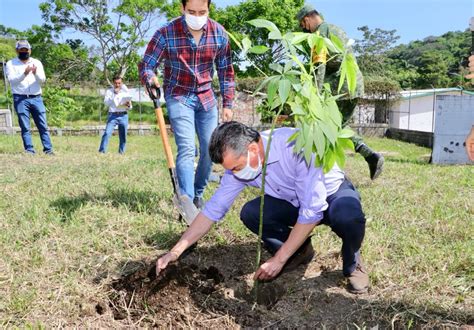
(232, 136)
(184, 2)
(116, 77)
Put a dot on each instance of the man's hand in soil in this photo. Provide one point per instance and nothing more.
(270, 269)
(164, 260)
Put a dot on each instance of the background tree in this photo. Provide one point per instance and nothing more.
(371, 50)
(431, 62)
(281, 12)
(119, 27)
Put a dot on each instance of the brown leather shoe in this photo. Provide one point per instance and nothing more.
(359, 280)
(303, 256)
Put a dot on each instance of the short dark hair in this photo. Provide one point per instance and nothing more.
(116, 77)
(184, 2)
(231, 136)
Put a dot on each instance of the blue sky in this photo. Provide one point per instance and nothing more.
(413, 19)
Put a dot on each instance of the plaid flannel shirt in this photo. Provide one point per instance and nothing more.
(189, 69)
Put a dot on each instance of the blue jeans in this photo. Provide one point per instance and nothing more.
(186, 123)
(120, 120)
(26, 106)
(344, 215)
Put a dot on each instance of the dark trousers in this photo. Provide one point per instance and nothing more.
(344, 215)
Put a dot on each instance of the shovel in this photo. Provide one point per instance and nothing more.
(186, 208)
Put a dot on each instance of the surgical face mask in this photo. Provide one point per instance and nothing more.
(24, 56)
(248, 172)
(195, 22)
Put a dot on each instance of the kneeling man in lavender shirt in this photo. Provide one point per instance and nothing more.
(298, 197)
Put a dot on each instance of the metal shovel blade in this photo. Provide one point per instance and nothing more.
(186, 208)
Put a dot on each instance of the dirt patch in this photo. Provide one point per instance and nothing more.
(213, 287)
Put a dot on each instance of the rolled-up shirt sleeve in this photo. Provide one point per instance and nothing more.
(225, 72)
(220, 203)
(311, 192)
(154, 53)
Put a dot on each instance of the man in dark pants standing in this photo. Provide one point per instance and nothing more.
(26, 75)
(328, 72)
(298, 197)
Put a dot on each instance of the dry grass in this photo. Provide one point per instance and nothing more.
(70, 220)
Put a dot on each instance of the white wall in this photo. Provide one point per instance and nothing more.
(415, 113)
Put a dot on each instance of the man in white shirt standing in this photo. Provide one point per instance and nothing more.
(119, 102)
(26, 75)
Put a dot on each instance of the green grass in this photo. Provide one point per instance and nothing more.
(67, 220)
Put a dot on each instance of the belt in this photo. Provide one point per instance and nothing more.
(118, 113)
(27, 95)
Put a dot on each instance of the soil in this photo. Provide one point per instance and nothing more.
(213, 287)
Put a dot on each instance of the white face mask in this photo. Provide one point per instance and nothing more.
(248, 172)
(195, 22)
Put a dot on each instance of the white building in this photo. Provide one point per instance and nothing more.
(415, 110)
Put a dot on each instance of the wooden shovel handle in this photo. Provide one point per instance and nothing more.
(164, 137)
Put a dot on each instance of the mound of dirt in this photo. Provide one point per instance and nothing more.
(212, 287)
(185, 295)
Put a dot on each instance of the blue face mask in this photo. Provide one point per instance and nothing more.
(248, 172)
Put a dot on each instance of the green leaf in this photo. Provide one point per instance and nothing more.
(340, 156)
(313, 39)
(342, 76)
(274, 35)
(300, 140)
(299, 63)
(284, 88)
(263, 84)
(346, 133)
(246, 44)
(308, 146)
(288, 66)
(271, 91)
(306, 90)
(346, 143)
(299, 37)
(351, 71)
(237, 42)
(263, 23)
(334, 113)
(258, 49)
(329, 160)
(276, 67)
(293, 72)
(293, 136)
(328, 132)
(337, 43)
(297, 109)
(319, 140)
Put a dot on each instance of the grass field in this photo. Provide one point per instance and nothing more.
(69, 220)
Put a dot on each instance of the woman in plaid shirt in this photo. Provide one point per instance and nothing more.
(189, 47)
